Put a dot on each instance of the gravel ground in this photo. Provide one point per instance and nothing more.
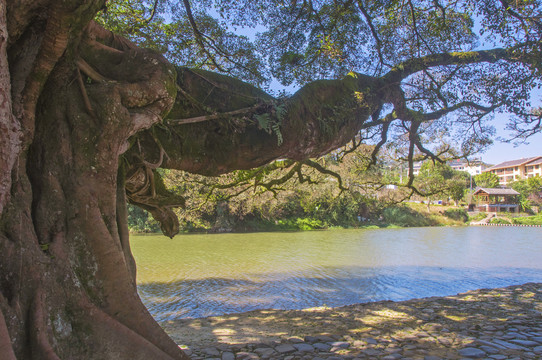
(494, 324)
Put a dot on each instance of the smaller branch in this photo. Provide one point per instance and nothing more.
(304, 178)
(438, 87)
(272, 183)
(153, 12)
(243, 190)
(378, 146)
(323, 170)
(373, 32)
(199, 35)
(441, 8)
(203, 118)
(156, 165)
(427, 151)
(411, 134)
(534, 126)
(354, 147)
(516, 15)
(387, 119)
(416, 32)
(251, 180)
(440, 113)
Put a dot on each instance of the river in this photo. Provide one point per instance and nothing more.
(205, 275)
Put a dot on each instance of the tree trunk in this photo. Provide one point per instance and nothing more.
(75, 99)
(67, 277)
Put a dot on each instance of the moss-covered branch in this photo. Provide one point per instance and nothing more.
(242, 127)
(412, 66)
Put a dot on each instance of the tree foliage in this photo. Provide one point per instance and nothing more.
(530, 191)
(487, 180)
(277, 196)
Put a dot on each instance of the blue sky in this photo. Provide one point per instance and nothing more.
(500, 152)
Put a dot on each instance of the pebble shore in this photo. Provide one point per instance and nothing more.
(495, 324)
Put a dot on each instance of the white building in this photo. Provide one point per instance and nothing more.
(513, 170)
(474, 167)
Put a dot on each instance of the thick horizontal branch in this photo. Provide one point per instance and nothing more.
(321, 117)
(412, 66)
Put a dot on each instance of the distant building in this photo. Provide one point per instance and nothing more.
(513, 170)
(416, 167)
(534, 168)
(473, 167)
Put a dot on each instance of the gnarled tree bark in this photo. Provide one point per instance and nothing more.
(67, 278)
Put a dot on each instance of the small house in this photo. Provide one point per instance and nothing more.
(496, 200)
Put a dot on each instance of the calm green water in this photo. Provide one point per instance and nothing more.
(203, 275)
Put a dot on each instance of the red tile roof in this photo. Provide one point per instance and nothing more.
(536, 162)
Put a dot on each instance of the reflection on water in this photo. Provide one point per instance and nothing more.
(203, 275)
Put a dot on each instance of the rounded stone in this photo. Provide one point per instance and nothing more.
(322, 346)
(285, 348)
(340, 344)
(228, 356)
(303, 347)
(472, 353)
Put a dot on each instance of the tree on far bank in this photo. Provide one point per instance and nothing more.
(530, 191)
(486, 180)
(456, 190)
(433, 181)
(88, 117)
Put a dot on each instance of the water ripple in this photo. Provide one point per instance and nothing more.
(213, 275)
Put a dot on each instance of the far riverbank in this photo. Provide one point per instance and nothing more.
(405, 215)
(503, 323)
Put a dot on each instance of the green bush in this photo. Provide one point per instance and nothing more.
(302, 224)
(140, 221)
(457, 214)
(528, 220)
(499, 221)
(404, 216)
(479, 216)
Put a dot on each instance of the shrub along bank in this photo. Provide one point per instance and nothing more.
(295, 214)
(519, 220)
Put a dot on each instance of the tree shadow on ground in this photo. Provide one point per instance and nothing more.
(439, 326)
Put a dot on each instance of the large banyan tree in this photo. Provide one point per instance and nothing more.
(88, 115)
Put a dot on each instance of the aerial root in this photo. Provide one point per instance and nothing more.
(38, 329)
(84, 93)
(5, 341)
(90, 72)
(125, 337)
